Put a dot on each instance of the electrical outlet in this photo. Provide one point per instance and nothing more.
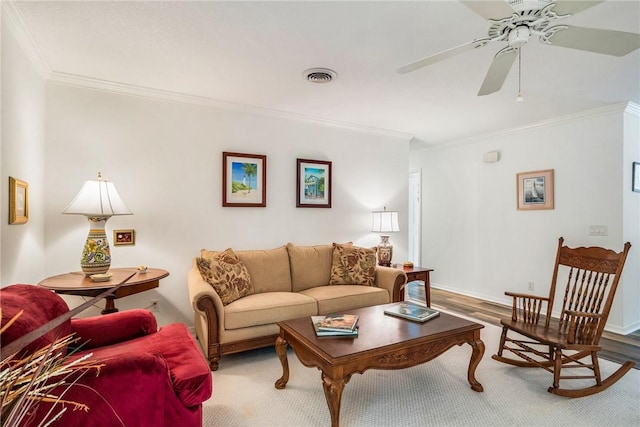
(531, 286)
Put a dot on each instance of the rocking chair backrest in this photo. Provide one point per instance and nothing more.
(592, 276)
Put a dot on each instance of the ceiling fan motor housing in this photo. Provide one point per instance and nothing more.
(522, 5)
(519, 36)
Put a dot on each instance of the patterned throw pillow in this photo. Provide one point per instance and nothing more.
(226, 274)
(353, 265)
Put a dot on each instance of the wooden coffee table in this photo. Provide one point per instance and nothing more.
(384, 342)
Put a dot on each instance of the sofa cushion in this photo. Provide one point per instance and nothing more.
(226, 274)
(267, 308)
(353, 265)
(341, 298)
(310, 265)
(269, 269)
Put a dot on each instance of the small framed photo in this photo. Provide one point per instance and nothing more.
(636, 177)
(124, 237)
(244, 180)
(18, 201)
(313, 188)
(535, 190)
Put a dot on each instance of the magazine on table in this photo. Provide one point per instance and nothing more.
(411, 311)
(338, 322)
(317, 320)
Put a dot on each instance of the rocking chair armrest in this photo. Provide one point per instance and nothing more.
(583, 327)
(526, 307)
(520, 295)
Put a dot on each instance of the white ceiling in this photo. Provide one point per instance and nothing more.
(254, 54)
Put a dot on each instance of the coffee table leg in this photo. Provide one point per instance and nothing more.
(333, 393)
(281, 349)
(476, 357)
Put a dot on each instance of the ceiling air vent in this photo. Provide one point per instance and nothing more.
(319, 75)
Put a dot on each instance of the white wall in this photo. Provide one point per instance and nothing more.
(22, 157)
(479, 244)
(165, 158)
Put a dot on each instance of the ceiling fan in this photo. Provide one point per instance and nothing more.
(526, 18)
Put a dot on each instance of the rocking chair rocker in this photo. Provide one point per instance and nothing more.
(592, 276)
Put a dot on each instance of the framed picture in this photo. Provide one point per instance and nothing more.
(636, 177)
(124, 237)
(244, 180)
(535, 190)
(18, 201)
(313, 188)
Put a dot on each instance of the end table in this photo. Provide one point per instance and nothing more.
(76, 283)
(420, 273)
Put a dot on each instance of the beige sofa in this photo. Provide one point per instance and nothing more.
(287, 282)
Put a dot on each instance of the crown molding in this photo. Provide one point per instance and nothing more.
(15, 22)
(74, 80)
(616, 108)
(633, 108)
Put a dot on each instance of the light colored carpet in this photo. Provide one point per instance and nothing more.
(432, 394)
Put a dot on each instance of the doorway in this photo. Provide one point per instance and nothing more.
(415, 216)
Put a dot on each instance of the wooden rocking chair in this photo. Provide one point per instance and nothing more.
(592, 276)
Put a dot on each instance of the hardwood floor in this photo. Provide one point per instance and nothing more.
(615, 347)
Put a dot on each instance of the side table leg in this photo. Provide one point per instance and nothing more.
(281, 350)
(476, 357)
(110, 306)
(333, 393)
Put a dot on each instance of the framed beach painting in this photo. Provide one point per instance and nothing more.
(313, 188)
(244, 180)
(18, 201)
(535, 190)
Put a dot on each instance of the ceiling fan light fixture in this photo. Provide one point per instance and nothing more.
(319, 75)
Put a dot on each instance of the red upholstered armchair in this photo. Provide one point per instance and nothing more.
(150, 377)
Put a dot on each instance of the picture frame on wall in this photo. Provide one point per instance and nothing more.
(18, 201)
(313, 186)
(535, 190)
(124, 237)
(244, 180)
(636, 177)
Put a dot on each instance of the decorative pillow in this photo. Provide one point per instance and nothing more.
(226, 274)
(353, 265)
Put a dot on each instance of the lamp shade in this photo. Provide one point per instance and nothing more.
(385, 221)
(97, 198)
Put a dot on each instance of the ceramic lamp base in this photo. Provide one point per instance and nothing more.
(96, 256)
(385, 252)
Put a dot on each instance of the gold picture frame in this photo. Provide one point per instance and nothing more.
(18, 201)
(124, 237)
(535, 190)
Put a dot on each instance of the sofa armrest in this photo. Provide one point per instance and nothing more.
(100, 331)
(391, 279)
(208, 309)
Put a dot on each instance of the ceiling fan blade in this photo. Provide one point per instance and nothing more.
(498, 71)
(608, 42)
(442, 55)
(571, 7)
(489, 9)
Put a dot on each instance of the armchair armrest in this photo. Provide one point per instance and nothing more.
(391, 279)
(100, 331)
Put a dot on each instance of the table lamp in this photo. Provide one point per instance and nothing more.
(98, 200)
(385, 222)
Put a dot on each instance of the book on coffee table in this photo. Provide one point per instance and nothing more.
(338, 322)
(317, 321)
(410, 311)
